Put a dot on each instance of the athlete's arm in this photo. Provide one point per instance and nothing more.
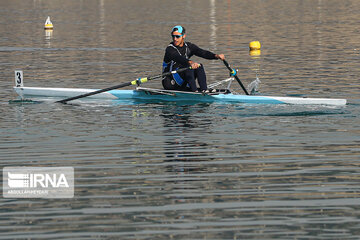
(201, 52)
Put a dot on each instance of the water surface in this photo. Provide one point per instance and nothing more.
(180, 171)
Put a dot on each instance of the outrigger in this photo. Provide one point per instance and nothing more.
(140, 93)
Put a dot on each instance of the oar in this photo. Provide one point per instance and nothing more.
(233, 73)
(135, 82)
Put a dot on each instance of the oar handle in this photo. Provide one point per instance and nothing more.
(227, 65)
(233, 73)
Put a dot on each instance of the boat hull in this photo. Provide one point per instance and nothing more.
(163, 95)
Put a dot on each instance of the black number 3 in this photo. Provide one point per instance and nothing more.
(19, 79)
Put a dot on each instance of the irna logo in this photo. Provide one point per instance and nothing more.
(24, 180)
(38, 182)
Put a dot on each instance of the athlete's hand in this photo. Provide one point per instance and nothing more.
(194, 65)
(220, 56)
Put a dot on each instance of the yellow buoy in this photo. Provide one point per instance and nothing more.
(48, 23)
(254, 45)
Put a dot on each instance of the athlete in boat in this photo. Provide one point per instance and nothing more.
(177, 55)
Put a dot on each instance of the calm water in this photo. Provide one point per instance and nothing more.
(172, 171)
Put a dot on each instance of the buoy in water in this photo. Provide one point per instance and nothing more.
(48, 24)
(254, 45)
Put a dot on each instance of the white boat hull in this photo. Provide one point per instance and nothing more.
(164, 95)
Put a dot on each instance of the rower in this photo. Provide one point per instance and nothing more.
(177, 55)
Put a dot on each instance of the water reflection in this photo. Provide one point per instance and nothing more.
(181, 127)
(213, 24)
(48, 36)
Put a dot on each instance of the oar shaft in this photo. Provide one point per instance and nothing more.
(94, 92)
(135, 82)
(236, 77)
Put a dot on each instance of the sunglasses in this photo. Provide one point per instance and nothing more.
(176, 36)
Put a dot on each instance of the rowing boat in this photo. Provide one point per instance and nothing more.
(147, 94)
(167, 95)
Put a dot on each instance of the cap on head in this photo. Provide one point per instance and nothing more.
(179, 29)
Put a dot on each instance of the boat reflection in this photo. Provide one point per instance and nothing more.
(182, 129)
(184, 150)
